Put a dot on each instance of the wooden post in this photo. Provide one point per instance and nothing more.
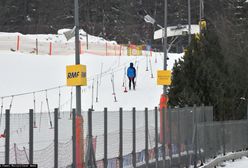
(50, 48)
(106, 49)
(18, 43)
(37, 49)
(120, 49)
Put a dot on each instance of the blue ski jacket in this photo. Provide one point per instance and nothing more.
(131, 71)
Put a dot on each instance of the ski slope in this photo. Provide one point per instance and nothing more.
(21, 72)
(29, 73)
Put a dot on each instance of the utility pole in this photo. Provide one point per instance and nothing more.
(165, 42)
(201, 13)
(77, 56)
(79, 149)
(189, 21)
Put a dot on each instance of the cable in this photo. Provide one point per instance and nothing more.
(151, 67)
(27, 93)
(1, 112)
(49, 113)
(40, 115)
(59, 117)
(113, 86)
(11, 102)
(124, 77)
(34, 112)
(92, 94)
(97, 85)
(71, 105)
(101, 74)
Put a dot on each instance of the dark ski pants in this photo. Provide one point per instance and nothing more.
(131, 80)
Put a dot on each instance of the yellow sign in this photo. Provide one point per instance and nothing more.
(203, 24)
(134, 50)
(76, 75)
(163, 77)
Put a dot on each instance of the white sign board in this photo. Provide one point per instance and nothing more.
(175, 31)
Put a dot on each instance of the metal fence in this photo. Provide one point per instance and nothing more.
(217, 138)
(129, 138)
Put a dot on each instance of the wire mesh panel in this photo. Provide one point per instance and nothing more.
(127, 138)
(151, 134)
(192, 130)
(236, 135)
(222, 137)
(140, 136)
(65, 154)
(186, 126)
(97, 132)
(45, 157)
(210, 139)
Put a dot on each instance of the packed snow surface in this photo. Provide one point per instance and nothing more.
(21, 73)
(241, 163)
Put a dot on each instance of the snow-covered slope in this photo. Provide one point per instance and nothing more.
(242, 163)
(22, 73)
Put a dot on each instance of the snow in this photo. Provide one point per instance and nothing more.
(22, 73)
(241, 163)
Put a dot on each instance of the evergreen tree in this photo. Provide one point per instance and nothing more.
(201, 76)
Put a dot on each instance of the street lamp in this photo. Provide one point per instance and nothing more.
(164, 97)
(77, 160)
(151, 20)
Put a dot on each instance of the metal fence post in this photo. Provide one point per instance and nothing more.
(90, 156)
(247, 110)
(56, 136)
(223, 137)
(223, 134)
(179, 135)
(187, 142)
(74, 138)
(170, 136)
(195, 136)
(247, 123)
(146, 137)
(15, 153)
(7, 135)
(163, 143)
(134, 137)
(204, 132)
(105, 138)
(121, 140)
(31, 136)
(156, 136)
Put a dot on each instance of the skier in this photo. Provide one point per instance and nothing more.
(131, 74)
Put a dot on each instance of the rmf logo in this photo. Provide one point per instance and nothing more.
(75, 75)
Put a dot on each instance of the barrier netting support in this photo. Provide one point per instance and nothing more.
(48, 108)
(162, 105)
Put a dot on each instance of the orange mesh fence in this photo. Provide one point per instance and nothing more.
(55, 45)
